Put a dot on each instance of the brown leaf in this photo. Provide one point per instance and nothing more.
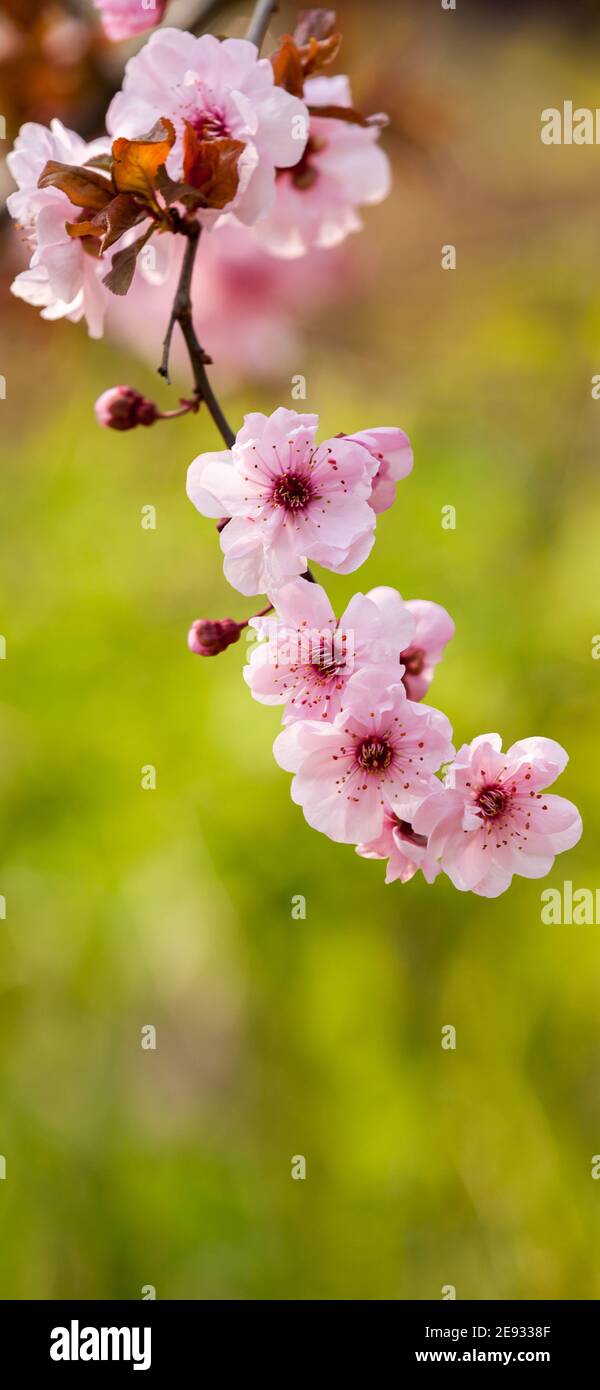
(136, 162)
(83, 187)
(211, 167)
(109, 225)
(348, 113)
(124, 212)
(319, 53)
(174, 190)
(122, 270)
(294, 62)
(287, 67)
(84, 229)
(100, 161)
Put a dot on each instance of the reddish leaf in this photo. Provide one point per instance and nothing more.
(287, 67)
(211, 167)
(136, 162)
(124, 212)
(347, 113)
(174, 190)
(122, 270)
(109, 225)
(319, 53)
(83, 187)
(294, 62)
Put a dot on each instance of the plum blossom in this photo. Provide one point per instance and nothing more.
(391, 449)
(235, 280)
(123, 19)
(218, 91)
(493, 818)
(405, 850)
(380, 749)
(433, 629)
(63, 279)
(289, 499)
(309, 656)
(341, 169)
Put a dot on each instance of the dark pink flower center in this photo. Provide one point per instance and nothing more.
(492, 802)
(413, 660)
(209, 125)
(292, 491)
(374, 754)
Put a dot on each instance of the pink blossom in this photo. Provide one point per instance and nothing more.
(63, 279)
(493, 819)
(235, 281)
(433, 629)
(390, 447)
(123, 19)
(309, 657)
(290, 500)
(380, 749)
(342, 168)
(404, 849)
(223, 90)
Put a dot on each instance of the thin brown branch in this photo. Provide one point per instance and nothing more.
(181, 314)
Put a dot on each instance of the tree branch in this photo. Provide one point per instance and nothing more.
(259, 23)
(181, 314)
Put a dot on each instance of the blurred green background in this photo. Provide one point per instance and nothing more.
(172, 907)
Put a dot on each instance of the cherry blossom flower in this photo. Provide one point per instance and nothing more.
(290, 500)
(309, 657)
(379, 748)
(405, 850)
(433, 629)
(63, 279)
(493, 818)
(214, 92)
(235, 280)
(123, 19)
(342, 168)
(391, 449)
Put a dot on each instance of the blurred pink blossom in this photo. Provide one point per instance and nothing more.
(123, 19)
(249, 307)
(342, 169)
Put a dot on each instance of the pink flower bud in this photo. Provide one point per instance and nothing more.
(122, 408)
(207, 638)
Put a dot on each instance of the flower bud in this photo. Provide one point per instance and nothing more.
(122, 408)
(207, 638)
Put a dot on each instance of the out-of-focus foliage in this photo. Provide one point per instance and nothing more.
(172, 907)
